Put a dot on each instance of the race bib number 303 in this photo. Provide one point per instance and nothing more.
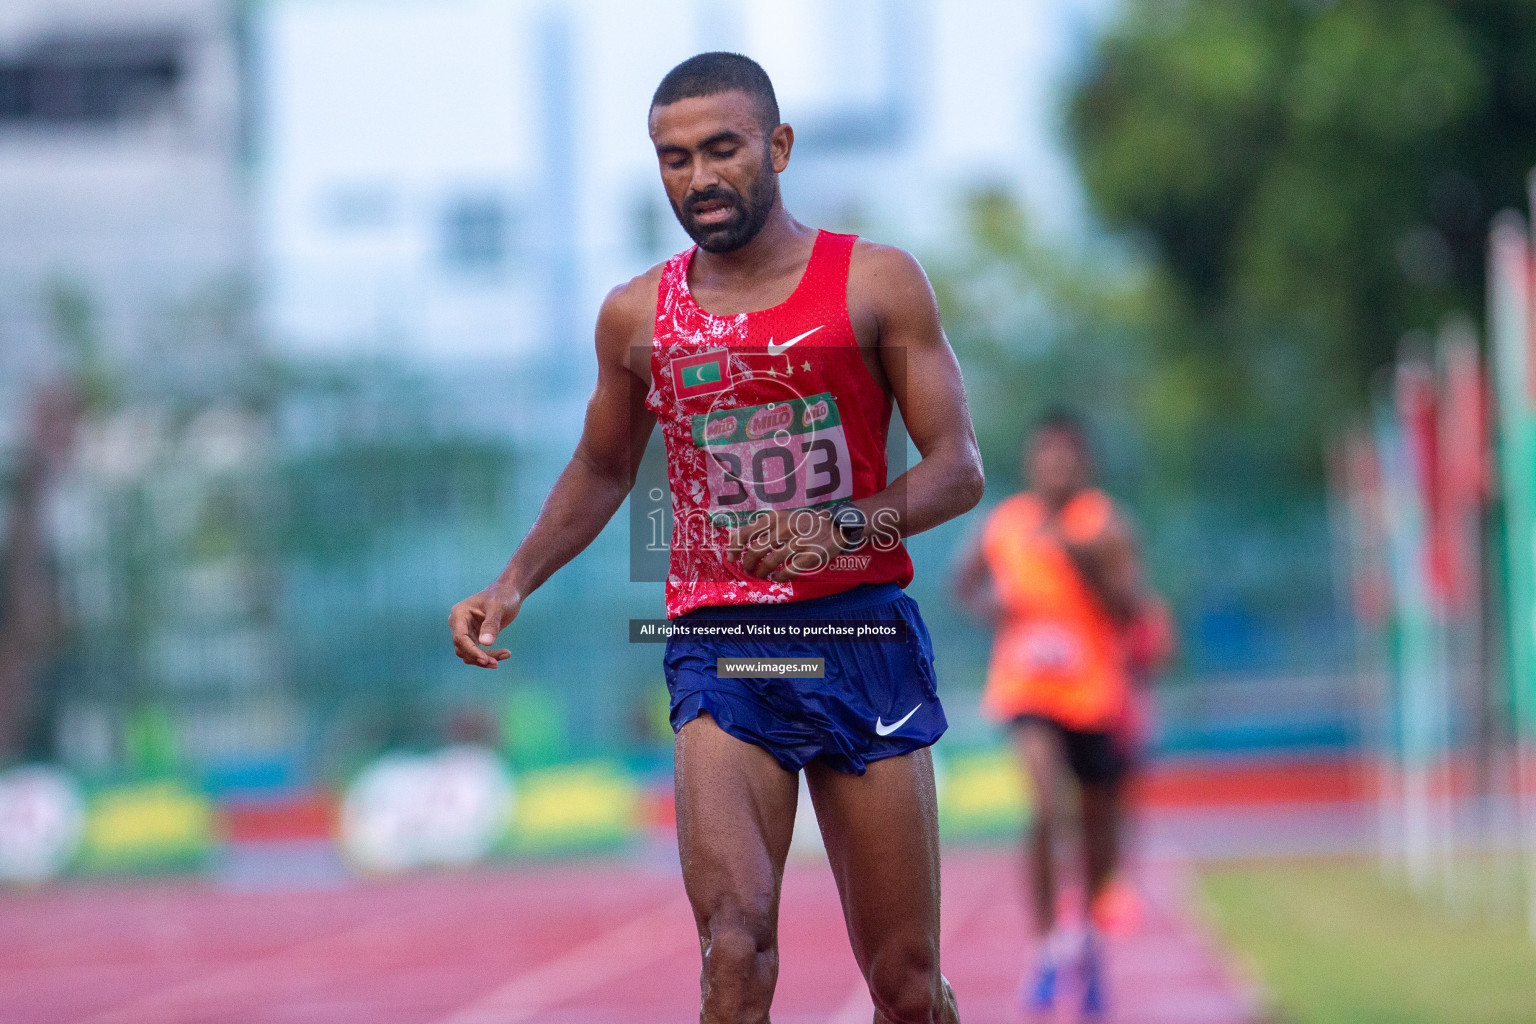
(782, 455)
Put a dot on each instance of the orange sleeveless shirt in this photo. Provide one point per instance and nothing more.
(1058, 653)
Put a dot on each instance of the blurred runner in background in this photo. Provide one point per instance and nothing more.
(1055, 570)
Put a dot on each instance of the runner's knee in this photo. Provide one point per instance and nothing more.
(740, 954)
(905, 984)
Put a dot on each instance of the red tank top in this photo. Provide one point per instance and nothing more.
(772, 409)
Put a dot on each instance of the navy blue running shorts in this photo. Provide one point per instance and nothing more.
(878, 699)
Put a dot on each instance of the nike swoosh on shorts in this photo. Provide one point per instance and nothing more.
(881, 729)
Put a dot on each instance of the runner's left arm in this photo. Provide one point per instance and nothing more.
(887, 286)
(925, 381)
(1111, 568)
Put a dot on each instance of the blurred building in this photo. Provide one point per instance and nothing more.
(125, 275)
(122, 134)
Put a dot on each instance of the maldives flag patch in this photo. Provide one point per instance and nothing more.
(701, 374)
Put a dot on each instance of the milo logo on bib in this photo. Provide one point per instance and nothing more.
(720, 428)
(782, 455)
(766, 420)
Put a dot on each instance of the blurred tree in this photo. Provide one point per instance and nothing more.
(31, 624)
(1037, 327)
(1315, 177)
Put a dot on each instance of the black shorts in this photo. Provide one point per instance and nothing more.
(1094, 757)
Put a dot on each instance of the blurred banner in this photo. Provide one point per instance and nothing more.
(1512, 326)
(1441, 571)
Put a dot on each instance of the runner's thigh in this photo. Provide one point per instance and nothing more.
(1042, 753)
(882, 836)
(735, 816)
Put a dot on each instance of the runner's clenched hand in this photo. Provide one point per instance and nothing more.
(779, 545)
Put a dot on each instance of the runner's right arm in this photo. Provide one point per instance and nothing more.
(592, 486)
(973, 585)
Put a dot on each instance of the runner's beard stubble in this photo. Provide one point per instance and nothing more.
(751, 212)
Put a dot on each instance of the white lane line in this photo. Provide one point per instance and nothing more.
(858, 1008)
(613, 954)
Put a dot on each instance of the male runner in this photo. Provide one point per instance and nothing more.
(770, 353)
(1055, 569)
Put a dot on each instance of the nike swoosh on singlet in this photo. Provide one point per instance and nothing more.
(783, 346)
(881, 729)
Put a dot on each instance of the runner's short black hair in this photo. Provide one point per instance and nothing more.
(1063, 421)
(709, 74)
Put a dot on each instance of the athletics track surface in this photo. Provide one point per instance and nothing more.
(594, 943)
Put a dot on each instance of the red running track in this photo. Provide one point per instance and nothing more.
(585, 944)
